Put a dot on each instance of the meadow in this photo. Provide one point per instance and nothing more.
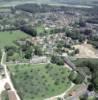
(7, 38)
(39, 81)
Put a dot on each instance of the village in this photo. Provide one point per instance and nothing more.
(53, 42)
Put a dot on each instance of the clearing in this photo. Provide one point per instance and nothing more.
(39, 81)
(86, 51)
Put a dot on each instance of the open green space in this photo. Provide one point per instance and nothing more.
(7, 38)
(40, 29)
(39, 81)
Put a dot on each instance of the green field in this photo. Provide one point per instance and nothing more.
(7, 38)
(41, 30)
(39, 81)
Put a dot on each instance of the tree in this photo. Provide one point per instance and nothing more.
(76, 51)
(72, 76)
(60, 44)
(90, 87)
(38, 51)
(82, 23)
(75, 35)
(59, 98)
(77, 78)
(88, 32)
(95, 82)
(57, 60)
(29, 30)
(10, 50)
(28, 54)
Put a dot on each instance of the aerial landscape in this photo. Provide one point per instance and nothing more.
(48, 49)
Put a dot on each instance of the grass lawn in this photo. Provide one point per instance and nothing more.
(40, 29)
(36, 82)
(7, 37)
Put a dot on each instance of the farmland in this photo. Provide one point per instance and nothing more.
(39, 81)
(8, 37)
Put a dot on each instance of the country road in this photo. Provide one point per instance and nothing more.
(61, 95)
(7, 75)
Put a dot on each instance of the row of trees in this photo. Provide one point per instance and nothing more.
(36, 8)
(29, 30)
(77, 78)
(33, 32)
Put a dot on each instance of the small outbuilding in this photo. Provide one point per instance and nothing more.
(7, 87)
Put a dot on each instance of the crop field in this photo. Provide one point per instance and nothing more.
(7, 38)
(39, 81)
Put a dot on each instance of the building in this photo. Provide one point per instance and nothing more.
(11, 95)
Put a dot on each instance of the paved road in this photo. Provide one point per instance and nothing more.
(8, 79)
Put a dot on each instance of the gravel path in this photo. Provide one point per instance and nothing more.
(7, 79)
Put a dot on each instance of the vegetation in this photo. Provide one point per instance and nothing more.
(94, 41)
(7, 38)
(53, 33)
(0, 54)
(76, 77)
(39, 81)
(4, 95)
(29, 30)
(38, 51)
(86, 97)
(35, 8)
(92, 65)
(75, 35)
(57, 60)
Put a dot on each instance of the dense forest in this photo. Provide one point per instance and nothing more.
(41, 8)
(35, 8)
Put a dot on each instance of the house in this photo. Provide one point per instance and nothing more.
(7, 86)
(11, 95)
(37, 59)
